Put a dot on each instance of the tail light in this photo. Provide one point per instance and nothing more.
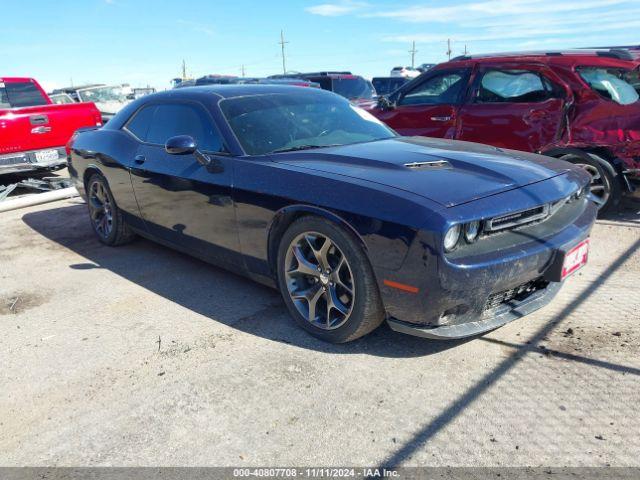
(69, 144)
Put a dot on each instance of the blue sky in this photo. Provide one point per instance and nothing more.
(144, 41)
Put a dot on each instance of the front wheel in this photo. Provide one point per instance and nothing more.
(327, 282)
(604, 186)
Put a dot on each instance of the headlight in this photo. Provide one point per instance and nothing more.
(451, 238)
(471, 231)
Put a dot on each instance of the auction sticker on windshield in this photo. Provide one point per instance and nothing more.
(46, 156)
(575, 258)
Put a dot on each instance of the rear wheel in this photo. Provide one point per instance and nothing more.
(327, 282)
(605, 185)
(106, 217)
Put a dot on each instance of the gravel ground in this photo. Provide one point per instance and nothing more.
(139, 355)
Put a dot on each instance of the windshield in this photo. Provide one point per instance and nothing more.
(61, 98)
(617, 84)
(353, 88)
(103, 95)
(276, 122)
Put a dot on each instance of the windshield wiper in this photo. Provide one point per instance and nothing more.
(303, 147)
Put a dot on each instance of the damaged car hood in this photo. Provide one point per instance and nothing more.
(444, 171)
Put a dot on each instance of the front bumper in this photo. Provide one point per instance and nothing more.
(512, 310)
(457, 295)
(27, 162)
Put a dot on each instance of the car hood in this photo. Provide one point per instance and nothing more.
(463, 171)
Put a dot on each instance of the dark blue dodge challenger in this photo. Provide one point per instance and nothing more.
(299, 189)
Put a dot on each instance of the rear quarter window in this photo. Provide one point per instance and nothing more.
(138, 125)
(616, 84)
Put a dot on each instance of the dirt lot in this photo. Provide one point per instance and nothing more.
(142, 356)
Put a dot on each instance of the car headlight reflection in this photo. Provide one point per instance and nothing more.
(471, 231)
(451, 238)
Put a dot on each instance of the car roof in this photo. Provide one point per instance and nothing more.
(235, 90)
(205, 93)
(16, 79)
(605, 56)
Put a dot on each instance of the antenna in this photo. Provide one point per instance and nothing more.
(413, 52)
(242, 69)
(282, 43)
(465, 49)
(449, 48)
(184, 70)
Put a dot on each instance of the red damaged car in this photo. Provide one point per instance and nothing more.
(581, 106)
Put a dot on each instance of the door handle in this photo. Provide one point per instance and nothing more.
(139, 159)
(444, 118)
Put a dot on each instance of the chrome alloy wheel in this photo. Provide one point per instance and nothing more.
(100, 209)
(319, 280)
(599, 186)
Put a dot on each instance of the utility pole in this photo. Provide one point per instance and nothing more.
(449, 48)
(242, 69)
(465, 49)
(184, 70)
(282, 43)
(413, 52)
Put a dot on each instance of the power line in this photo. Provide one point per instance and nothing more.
(282, 43)
(413, 52)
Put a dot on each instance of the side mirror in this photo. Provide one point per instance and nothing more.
(180, 145)
(385, 104)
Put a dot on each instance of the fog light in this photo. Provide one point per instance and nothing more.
(471, 231)
(451, 238)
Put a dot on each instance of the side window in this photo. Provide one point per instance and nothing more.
(514, 86)
(139, 124)
(444, 88)
(184, 119)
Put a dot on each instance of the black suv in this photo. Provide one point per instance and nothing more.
(350, 86)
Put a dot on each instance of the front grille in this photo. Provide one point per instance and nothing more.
(512, 296)
(519, 218)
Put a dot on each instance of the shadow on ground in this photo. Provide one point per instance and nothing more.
(210, 291)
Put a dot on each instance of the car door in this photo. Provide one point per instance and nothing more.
(518, 106)
(428, 107)
(182, 201)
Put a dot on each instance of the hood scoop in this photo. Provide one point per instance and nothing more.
(429, 165)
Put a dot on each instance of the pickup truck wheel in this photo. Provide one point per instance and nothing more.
(106, 217)
(605, 185)
(327, 282)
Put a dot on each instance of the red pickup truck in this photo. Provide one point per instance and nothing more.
(33, 130)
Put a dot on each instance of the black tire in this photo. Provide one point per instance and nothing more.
(606, 181)
(118, 232)
(367, 311)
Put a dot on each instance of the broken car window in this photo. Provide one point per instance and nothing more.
(513, 86)
(621, 86)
